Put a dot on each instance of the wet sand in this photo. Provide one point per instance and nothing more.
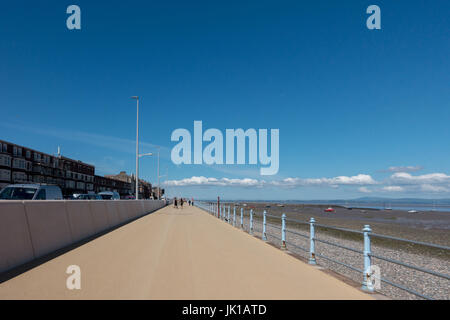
(425, 226)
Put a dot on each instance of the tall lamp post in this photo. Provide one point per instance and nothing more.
(137, 146)
(167, 176)
(159, 186)
(143, 155)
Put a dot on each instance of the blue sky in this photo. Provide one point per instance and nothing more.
(360, 112)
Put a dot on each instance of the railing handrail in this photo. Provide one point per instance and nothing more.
(367, 232)
(340, 246)
(427, 244)
(437, 246)
(338, 228)
(434, 273)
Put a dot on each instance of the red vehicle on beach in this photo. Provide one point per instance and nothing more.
(329, 210)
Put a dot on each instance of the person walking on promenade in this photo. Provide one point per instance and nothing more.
(175, 205)
(181, 202)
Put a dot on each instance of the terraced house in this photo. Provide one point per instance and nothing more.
(19, 164)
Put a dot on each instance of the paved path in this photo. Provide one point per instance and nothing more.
(178, 254)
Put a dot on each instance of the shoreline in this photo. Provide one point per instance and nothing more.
(432, 226)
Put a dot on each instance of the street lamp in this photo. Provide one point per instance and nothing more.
(145, 154)
(137, 146)
(137, 150)
(167, 177)
(159, 186)
(139, 156)
(151, 154)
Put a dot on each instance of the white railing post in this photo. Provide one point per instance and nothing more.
(283, 231)
(234, 216)
(367, 260)
(228, 215)
(312, 252)
(264, 236)
(251, 222)
(242, 218)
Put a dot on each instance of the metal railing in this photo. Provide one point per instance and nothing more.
(222, 212)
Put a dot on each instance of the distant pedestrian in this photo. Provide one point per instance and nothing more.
(192, 201)
(175, 204)
(189, 202)
(181, 202)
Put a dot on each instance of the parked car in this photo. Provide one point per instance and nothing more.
(87, 196)
(31, 192)
(329, 210)
(109, 195)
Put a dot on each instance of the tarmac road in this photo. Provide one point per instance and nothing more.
(178, 254)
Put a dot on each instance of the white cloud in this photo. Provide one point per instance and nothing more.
(431, 178)
(364, 190)
(360, 179)
(335, 182)
(431, 188)
(204, 181)
(398, 182)
(98, 140)
(404, 169)
(393, 188)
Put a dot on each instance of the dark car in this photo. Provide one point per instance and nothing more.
(88, 196)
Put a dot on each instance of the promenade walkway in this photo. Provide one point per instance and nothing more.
(178, 254)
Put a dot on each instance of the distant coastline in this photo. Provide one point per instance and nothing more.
(403, 204)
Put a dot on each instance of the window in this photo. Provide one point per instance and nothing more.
(5, 147)
(6, 193)
(70, 184)
(19, 177)
(28, 154)
(17, 193)
(41, 195)
(5, 175)
(15, 150)
(19, 152)
(18, 163)
(5, 160)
